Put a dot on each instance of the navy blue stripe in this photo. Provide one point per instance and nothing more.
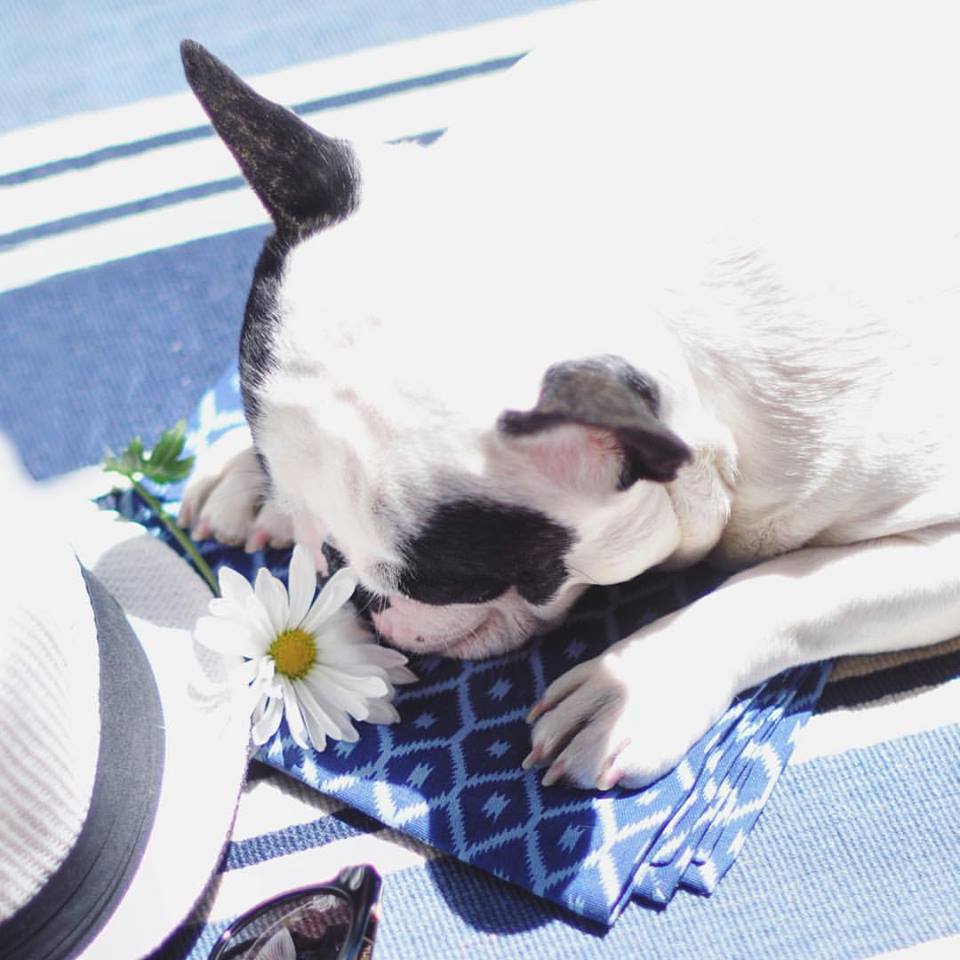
(852, 691)
(119, 150)
(92, 217)
(114, 152)
(279, 843)
(92, 357)
(173, 197)
(423, 139)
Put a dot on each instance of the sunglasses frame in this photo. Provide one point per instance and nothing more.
(359, 885)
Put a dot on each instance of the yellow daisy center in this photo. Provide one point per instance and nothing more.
(294, 652)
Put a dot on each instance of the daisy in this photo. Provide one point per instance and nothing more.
(309, 660)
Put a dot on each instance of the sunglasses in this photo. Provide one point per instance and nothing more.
(329, 921)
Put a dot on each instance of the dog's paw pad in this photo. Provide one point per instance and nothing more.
(270, 528)
(224, 496)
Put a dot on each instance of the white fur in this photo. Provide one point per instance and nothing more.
(755, 205)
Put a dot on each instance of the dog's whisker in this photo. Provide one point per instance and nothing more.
(582, 573)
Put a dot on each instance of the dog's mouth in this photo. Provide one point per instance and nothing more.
(473, 644)
(460, 630)
(374, 609)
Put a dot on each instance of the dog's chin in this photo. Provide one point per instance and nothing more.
(498, 633)
(498, 630)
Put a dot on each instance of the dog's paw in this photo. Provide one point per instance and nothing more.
(626, 717)
(225, 498)
(271, 527)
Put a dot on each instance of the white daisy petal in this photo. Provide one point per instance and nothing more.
(334, 723)
(335, 593)
(273, 596)
(339, 680)
(337, 659)
(356, 670)
(259, 711)
(338, 701)
(347, 732)
(384, 656)
(342, 627)
(315, 732)
(233, 586)
(251, 701)
(269, 721)
(392, 662)
(227, 636)
(402, 675)
(291, 709)
(342, 706)
(267, 679)
(245, 673)
(382, 711)
(226, 609)
(263, 681)
(369, 685)
(255, 613)
(302, 581)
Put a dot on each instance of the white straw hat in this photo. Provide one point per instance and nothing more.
(120, 761)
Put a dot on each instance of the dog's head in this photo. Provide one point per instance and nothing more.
(409, 409)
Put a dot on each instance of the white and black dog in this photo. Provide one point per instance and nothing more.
(685, 286)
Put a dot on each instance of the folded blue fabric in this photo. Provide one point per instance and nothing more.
(449, 772)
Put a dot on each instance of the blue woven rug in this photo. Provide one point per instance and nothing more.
(449, 772)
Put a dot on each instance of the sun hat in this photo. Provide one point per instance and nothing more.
(121, 753)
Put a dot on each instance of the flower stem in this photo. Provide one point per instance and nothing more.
(202, 567)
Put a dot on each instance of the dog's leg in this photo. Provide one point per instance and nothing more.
(630, 714)
(226, 497)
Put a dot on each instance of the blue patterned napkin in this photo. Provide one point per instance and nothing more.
(449, 772)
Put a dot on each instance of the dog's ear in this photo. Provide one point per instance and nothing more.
(304, 179)
(619, 406)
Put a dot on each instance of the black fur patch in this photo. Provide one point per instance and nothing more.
(472, 551)
(259, 325)
(305, 180)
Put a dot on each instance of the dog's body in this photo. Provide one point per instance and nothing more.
(694, 299)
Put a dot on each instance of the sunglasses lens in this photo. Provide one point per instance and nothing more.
(308, 927)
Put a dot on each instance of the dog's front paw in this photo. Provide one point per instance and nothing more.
(225, 498)
(626, 717)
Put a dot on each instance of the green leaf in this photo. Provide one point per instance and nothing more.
(164, 464)
(129, 462)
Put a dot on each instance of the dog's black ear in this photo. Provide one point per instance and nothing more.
(304, 179)
(609, 394)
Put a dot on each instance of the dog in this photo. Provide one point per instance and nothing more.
(682, 287)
